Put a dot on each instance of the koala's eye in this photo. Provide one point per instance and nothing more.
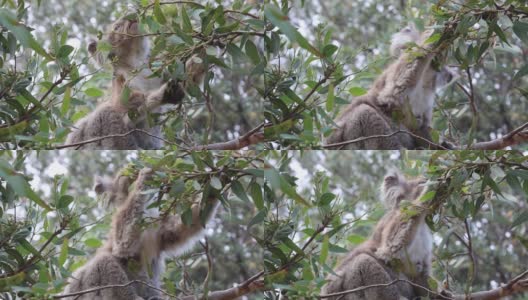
(118, 26)
(406, 29)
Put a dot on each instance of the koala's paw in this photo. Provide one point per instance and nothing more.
(145, 173)
(173, 92)
(448, 145)
(195, 69)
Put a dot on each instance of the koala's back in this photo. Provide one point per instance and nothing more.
(104, 121)
(364, 120)
(103, 270)
(363, 270)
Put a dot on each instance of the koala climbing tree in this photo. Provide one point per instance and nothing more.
(331, 235)
(202, 58)
(161, 237)
(316, 98)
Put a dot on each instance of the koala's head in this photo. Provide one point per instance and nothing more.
(403, 39)
(436, 77)
(114, 190)
(396, 188)
(129, 47)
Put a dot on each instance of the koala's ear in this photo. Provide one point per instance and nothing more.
(392, 178)
(92, 47)
(99, 185)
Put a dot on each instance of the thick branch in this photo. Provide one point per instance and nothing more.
(249, 286)
(517, 285)
(364, 138)
(515, 137)
(253, 137)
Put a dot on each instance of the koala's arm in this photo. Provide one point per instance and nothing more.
(402, 77)
(173, 91)
(400, 234)
(174, 235)
(126, 232)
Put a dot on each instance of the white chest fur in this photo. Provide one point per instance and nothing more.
(418, 253)
(421, 101)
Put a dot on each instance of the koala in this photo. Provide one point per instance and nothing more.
(130, 252)
(399, 248)
(402, 98)
(117, 117)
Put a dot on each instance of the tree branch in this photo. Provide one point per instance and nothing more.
(517, 285)
(515, 137)
(254, 136)
(364, 138)
(249, 286)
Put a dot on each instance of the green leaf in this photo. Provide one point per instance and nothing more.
(279, 182)
(256, 195)
(26, 245)
(290, 244)
(258, 218)
(330, 98)
(66, 101)
(93, 243)
(64, 51)
(521, 30)
(216, 61)
(428, 196)
(94, 92)
(216, 183)
(357, 91)
(496, 28)
(329, 50)
(125, 95)
(21, 32)
(64, 252)
(158, 13)
(186, 217)
(522, 72)
(20, 185)
(277, 18)
(252, 52)
(64, 201)
(356, 239)
(186, 22)
(523, 217)
(433, 38)
(326, 199)
(238, 189)
(324, 250)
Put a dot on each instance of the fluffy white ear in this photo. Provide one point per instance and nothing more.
(401, 39)
(391, 188)
(101, 185)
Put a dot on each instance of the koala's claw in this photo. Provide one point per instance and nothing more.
(173, 92)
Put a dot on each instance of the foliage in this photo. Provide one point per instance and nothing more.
(48, 84)
(43, 238)
(304, 71)
(315, 74)
(483, 210)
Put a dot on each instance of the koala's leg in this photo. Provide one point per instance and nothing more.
(107, 121)
(370, 122)
(363, 270)
(104, 270)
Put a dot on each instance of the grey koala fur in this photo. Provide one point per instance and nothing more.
(402, 98)
(399, 248)
(130, 253)
(129, 57)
